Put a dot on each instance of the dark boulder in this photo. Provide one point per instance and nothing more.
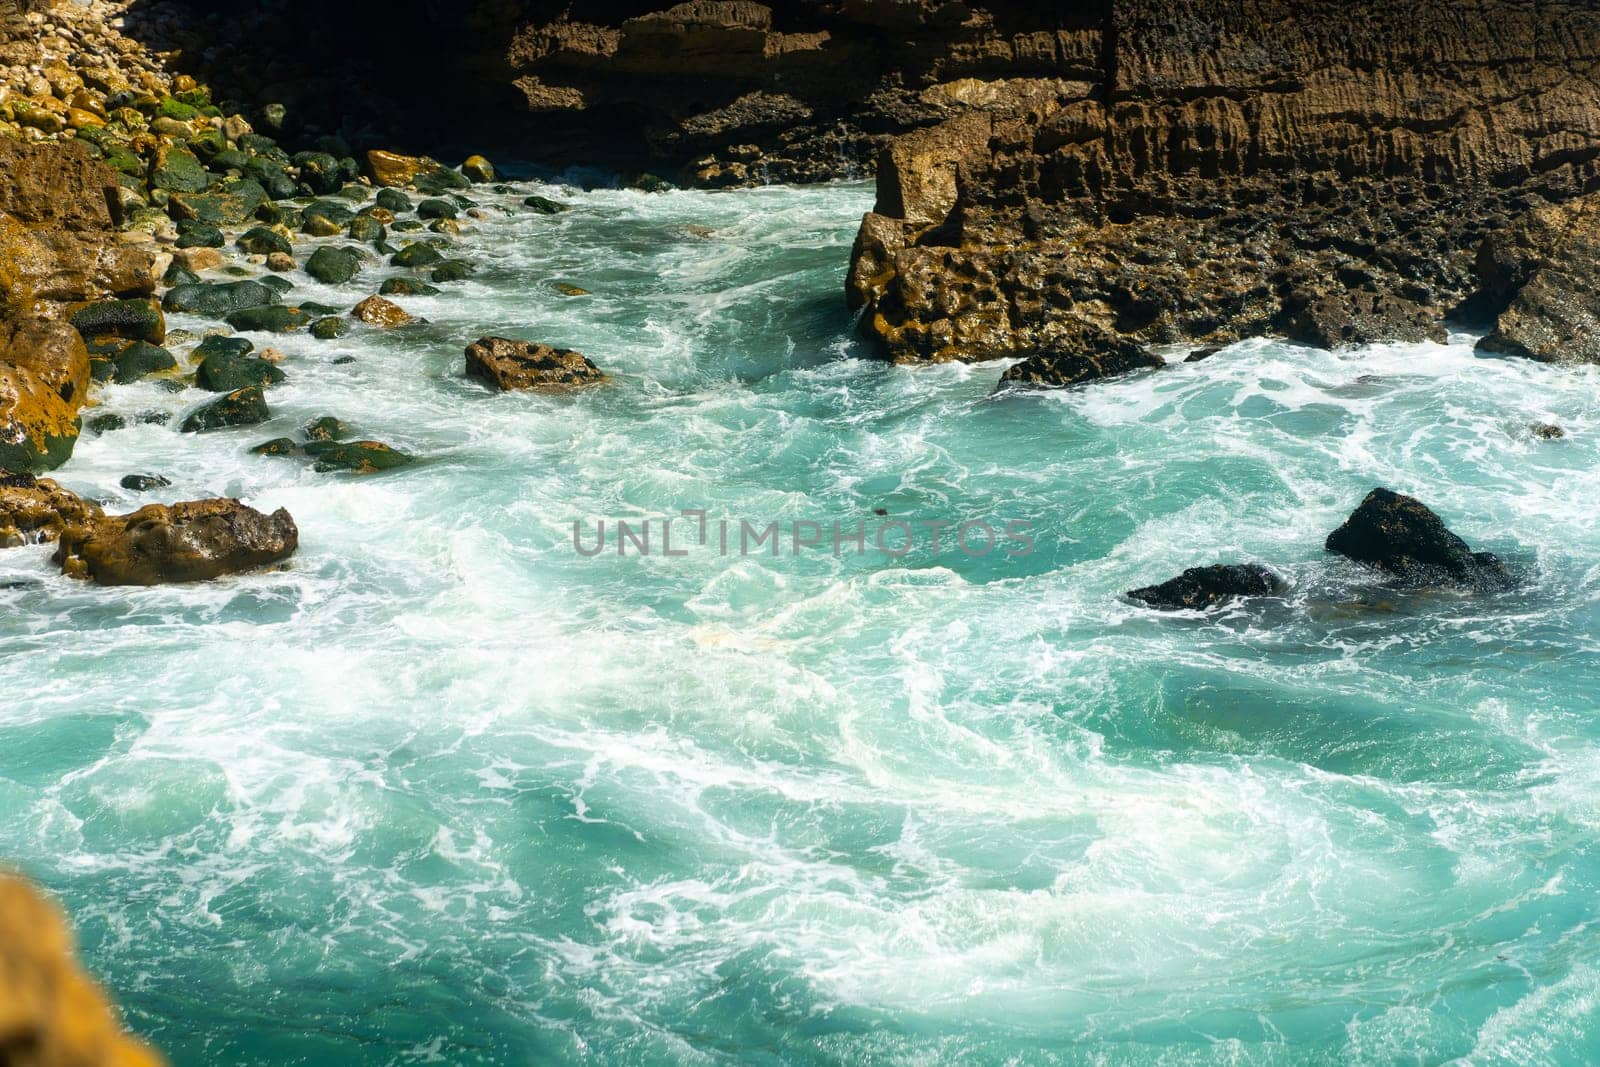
(329, 328)
(1401, 537)
(140, 360)
(261, 241)
(1202, 588)
(219, 299)
(355, 457)
(333, 266)
(1092, 355)
(226, 365)
(143, 483)
(545, 206)
(421, 254)
(242, 407)
(270, 319)
(136, 320)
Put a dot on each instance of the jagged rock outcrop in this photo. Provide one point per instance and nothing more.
(505, 364)
(1203, 588)
(52, 1014)
(193, 541)
(1230, 168)
(1402, 537)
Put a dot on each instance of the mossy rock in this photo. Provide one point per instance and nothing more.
(406, 287)
(219, 299)
(477, 169)
(355, 457)
(136, 320)
(271, 319)
(272, 176)
(207, 144)
(178, 274)
(237, 201)
(330, 328)
(173, 108)
(242, 407)
(226, 369)
(105, 422)
(259, 144)
(436, 209)
(421, 254)
(440, 181)
(176, 170)
(453, 270)
(317, 308)
(140, 360)
(284, 215)
(320, 226)
(366, 229)
(545, 206)
(195, 234)
(277, 283)
(333, 266)
(407, 226)
(329, 209)
(328, 428)
(143, 483)
(278, 446)
(258, 240)
(229, 159)
(320, 172)
(125, 162)
(393, 200)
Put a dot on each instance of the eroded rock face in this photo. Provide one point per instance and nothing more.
(1220, 170)
(506, 364)
(52, 1014)
(33, 510)
(193, 541)
(1203, 588)
(1092, 355)
(1402, 537)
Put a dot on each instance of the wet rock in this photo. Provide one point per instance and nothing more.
(199, 235)
(1548, 431)
(393, 169)
(327, 428)
(1541, 279)
(35, 510)
(178, 171)
(477, 169)
(376, 311)
(136, 320)
(366, 229)
(226, 365)
(140, 360)
(242, 407)
(232, 205)
(436, 209)
(406, 287)
(274, 319)
(192, 541)
(1203, 588)
(1092, 355)
(568, 289)
(219, 299)
(44, 379)
(1200, 355)
(421, 254)
(332, 210)
(329, 328)
(508, 364)
(452, 270)
(1401, 537)
(280, 262)
(355, 457)
(333, 266)
(262, 241)
(277, 285)
(278, 446)
(1348, 319)
(393, 200)
(195, 259)
(143, 483)
(105, 422)
(545, 206)
(320, 226)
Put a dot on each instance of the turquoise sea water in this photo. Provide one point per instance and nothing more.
(445, 790)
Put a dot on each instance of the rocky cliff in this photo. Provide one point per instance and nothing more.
(1335, 172)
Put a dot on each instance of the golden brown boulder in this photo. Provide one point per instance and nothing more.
(393, 169)
(507, 364)
(192, 541)
(34, 510)
(376, 311)
(52, 1014)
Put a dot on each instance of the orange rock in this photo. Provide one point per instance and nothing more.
(50, 1009)
(376, 311)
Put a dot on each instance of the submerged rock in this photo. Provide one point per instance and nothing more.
(508, 364)
(355, 457)
(1092, 355)
(192, 541)
(142, 483)
(327, 428)
(406, 287)
(1548, 431)
(1202, 588)
(1400, 536)
(545, 206)
(329, 328)
(226, 365)
(272, 319)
